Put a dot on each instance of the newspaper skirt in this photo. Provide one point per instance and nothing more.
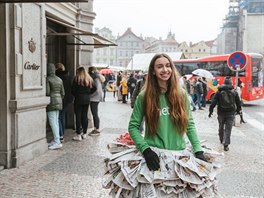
(180, 175)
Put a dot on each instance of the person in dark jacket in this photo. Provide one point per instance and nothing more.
(131, 83)
(204, 84)
(55, 90)
(82, 88)
(96, 98)
(225, 115)
(63, 74)
(199, 93)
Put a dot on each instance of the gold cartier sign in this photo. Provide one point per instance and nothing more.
(29, 66)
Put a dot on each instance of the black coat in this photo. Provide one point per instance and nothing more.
(66, 79)
(82, 93)
(216, 98)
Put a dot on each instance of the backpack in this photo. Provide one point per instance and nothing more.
(227, 100)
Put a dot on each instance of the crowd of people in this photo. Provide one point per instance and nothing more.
(162, 106)
(88, 88)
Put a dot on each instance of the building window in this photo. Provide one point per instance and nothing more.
(111, 52)
(186, 50)
(199, 50)
(121, 53)
(105, 52)
(111, 62)
(204, 50)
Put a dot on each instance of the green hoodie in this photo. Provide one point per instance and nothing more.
(167, 136)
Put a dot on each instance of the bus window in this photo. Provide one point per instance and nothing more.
(186, 68)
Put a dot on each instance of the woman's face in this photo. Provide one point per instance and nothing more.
(162, 69)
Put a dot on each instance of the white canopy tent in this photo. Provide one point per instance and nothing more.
(141, 61)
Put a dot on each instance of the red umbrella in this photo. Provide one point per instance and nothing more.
(106, 71)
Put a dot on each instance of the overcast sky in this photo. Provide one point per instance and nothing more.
(189, 20)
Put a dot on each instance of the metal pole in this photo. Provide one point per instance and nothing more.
(236, 79)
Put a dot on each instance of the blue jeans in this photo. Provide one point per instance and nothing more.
(62, 120)
(198, 101)
(53, 117)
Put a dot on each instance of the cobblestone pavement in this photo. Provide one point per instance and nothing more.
(77, 169)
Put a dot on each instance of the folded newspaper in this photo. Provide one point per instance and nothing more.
(180, 175)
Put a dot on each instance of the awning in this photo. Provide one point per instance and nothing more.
(99, 41)
(41, 1)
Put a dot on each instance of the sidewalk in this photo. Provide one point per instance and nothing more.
(76, 170)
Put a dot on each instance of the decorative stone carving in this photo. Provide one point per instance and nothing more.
(32, 46)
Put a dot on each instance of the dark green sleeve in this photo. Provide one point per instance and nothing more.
(191, 129)
(135, 122)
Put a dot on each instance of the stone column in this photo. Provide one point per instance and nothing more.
(23, 89)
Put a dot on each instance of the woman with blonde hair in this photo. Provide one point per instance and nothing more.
(82, 88)
(167, 113)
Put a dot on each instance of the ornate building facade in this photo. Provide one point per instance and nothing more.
(31, 35)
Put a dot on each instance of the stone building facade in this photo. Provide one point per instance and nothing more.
(32, 34)
(167, 45)
(243, 29)
(128, 45)
(105, 56)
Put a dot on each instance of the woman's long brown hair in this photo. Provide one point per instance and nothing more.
(175, 97)
(82, 77)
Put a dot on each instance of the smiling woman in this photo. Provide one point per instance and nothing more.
(158, 154)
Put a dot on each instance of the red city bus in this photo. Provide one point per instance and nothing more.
(252, 77)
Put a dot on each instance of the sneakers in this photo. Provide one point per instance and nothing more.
(226, 148)
(51, 143)
(78, 137)
(55, 146)
(84, 136)
(94, 133)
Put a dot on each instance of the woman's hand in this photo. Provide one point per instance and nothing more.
(152, 159)
(200, 155)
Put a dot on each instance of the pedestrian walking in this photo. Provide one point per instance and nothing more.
(167, 114)
(131, 83)
(124, 89)
(139, 87)
(64, 75)
(204, 85)
(199, 93)
(118, 80)
(239, 87)
(228, 102)
(82, 88)
(187, 87)
(95, 99)
(55, 90)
